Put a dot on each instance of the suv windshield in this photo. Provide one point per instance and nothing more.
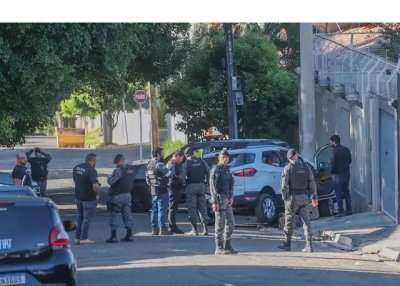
(235, 160)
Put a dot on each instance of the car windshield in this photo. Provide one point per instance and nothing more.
(235, 160)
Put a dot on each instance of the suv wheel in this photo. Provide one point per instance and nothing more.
(266, 209)
(141, 197)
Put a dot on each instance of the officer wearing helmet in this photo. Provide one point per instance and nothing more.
(298, 191)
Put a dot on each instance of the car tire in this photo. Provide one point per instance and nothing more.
(141, 197)
(325, 208)
(266, 210)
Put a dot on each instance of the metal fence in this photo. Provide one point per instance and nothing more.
(355, 67)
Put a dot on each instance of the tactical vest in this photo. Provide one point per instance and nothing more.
(224, 180)
(125, 184)
(195, 171)
(158, 182)
(298, 178)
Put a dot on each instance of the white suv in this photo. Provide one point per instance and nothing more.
(257, 173)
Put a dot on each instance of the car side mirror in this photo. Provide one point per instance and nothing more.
(69, 225)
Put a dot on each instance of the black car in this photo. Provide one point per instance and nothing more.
(7, 180)
(17, 191)
(34, 245)
(141, 196)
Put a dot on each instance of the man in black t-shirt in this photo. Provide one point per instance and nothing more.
(87, 190)
(39, 161)
(20, 174)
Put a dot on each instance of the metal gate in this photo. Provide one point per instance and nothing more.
(387, 162)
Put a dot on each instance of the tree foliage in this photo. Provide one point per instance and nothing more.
(200, 97)
(391, 36)
(37, 65)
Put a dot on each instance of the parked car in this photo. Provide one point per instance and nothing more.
(34, 244)
(141, 196)
(257, 172)
(7, 180)
(17, 191)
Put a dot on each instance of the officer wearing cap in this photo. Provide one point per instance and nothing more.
(121, 184)
(221, 189)
(298, 190)
(195, 172)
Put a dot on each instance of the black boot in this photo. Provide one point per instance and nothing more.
(194, 231)
(286, 245)
(128, 237)
(308, 248)
(205, 229)
(228, 249)
(113, 238)
(219, 247)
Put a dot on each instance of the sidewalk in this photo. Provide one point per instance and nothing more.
(370, 232)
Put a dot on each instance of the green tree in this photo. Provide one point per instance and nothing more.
(37, 66)
(391, 36)
(200, 97)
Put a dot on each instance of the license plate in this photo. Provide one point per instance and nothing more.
(12, 279)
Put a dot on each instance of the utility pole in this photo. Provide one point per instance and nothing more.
(155, 136)
(307, 93)
(232, 111)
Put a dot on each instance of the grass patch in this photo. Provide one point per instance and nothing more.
(94, 138)
(170, 146)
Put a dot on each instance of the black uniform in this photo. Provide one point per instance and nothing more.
(175, 187)
(39, 169)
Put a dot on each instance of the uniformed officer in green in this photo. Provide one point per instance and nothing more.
(298, 191)
(121, 184)
(221, 189)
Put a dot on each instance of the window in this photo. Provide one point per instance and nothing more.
(283, 154)
(271, 158)
(235, 160)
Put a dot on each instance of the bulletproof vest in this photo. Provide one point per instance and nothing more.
(298, 178)
(224, 180)
(156, 178)
(195, 171)
(125, 184)
(174, 181)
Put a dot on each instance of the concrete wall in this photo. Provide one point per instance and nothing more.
(360, 130)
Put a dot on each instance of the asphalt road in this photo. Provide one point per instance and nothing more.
(182, 260)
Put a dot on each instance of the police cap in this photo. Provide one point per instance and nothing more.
(117, 158)
(291, 153)
(189, 151)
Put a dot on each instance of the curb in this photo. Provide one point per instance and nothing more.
(338, 239)
(390, 253)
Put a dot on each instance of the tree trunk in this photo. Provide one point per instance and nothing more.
(107, 130)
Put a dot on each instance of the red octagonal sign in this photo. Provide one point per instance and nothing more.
(140, 96)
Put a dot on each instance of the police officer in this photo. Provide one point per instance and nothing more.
(157, 177)
(298, 185)
(121, 184)
(175, 187)
(87, 191)
(39, 163)
(195, 171)
(221, 189)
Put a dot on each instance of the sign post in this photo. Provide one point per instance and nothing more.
(140, 97)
